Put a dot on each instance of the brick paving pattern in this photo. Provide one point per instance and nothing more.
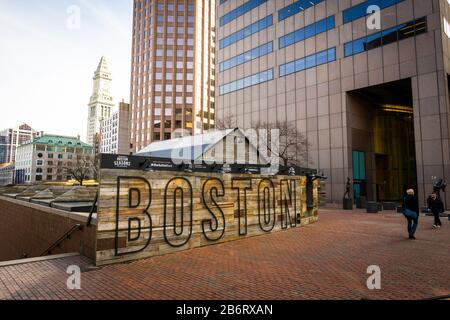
(326, 260)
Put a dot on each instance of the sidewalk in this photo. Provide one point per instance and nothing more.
(325, 260)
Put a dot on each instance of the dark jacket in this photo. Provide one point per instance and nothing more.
(411, 203)
(436, 205)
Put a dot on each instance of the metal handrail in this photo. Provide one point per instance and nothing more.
(88, 223)
(62, 239)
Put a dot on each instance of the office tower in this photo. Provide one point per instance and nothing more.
(372, 99)
(172, 79)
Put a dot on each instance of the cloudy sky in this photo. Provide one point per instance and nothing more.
(48, 54)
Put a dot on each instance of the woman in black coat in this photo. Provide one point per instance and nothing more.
(411, 205)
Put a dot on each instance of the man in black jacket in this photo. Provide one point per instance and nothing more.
(436, 206)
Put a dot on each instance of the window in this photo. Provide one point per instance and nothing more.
(246, 56)
(239, 11)
(311, 61)
(307, 32)
(246, 82)
(246, 32)
(296, 7)
(400, 32)
(360, 10)
(50, 155)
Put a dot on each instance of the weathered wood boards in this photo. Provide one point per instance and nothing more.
(143, 214)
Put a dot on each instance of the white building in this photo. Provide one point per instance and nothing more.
(115, 132)
(47, 158)
(101, 101)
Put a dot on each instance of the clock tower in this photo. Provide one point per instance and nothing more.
(101, 102)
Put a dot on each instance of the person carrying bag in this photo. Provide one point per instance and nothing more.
(411, 212)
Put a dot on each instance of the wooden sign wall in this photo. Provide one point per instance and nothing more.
(142, 214)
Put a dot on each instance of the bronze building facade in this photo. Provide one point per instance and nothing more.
(372, 100)
(172, 82)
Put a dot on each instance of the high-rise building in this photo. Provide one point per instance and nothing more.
(12, 138)
(115, 131)
(371, 98)
(100, 103)
(172, 79)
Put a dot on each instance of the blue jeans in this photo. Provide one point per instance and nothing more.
(412, 225)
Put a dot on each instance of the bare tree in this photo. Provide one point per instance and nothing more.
(82, 170)
(292, 148)
(227, 122)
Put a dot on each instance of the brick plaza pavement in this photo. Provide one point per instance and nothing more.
(326, 260)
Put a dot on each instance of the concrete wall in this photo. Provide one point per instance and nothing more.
(32, 229)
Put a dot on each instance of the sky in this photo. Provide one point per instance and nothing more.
(49, 50)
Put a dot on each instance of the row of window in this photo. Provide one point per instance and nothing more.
(296, 7)
(246, 82)
(361, 10)
(247, 56)
(246, 32)
(397, 33)
(239, 11)
(308, 62)
(307, 32)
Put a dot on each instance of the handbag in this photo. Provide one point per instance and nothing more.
(409, 214)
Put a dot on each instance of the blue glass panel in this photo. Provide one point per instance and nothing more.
(300, 65)
(282, 70)
(391, 35)
(311, 61)
(360, 10)
(245, 32)
(246, 56)
(296, 7)
(239, 11)
(307, 32)
(332, 54)
(322, 58)
(246, 82)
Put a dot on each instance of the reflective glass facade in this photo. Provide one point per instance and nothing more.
(246, 32)
(239, 11)
(296, 7)
(308, 62)
(361, 9)
(307, 32)
(397, 33)
(246, 82)
(246, 56)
